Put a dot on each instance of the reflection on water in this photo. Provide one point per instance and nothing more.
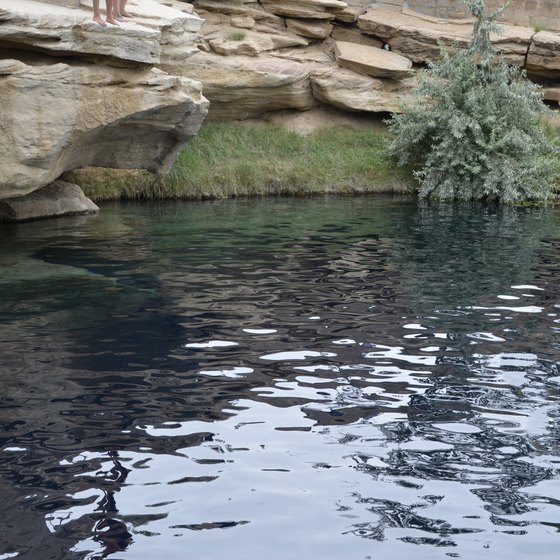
(298, 379)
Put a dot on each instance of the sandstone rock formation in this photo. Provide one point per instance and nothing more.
(241, 87)
(245, 74)
(59, 117)
(357, 55)
(74, 93)
(420, 38)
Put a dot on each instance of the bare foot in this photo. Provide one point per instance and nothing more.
(126, 14)
(113, 21)
(120, 18)
(100, 21)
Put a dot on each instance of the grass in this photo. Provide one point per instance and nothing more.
(237, 36)
(230, 159)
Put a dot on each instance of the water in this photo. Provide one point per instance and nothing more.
(287, 379)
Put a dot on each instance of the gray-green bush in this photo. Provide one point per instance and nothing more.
(474, 129)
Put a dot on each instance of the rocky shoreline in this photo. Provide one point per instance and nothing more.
(75, 94)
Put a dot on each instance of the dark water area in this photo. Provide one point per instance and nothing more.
(284, 379)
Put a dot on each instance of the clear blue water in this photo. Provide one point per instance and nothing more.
(284, 379)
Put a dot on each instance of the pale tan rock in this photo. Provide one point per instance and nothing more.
(186, 7)
(243, 22)
(59, 117)
(551, 93)
(230, 41)
(57, 199)
(371, 61)
(310, 56)
(354, 35)
(353, 10)
(350, 91)
(241, 87)
(312, 9)
(314, 29)
(544, 54)
(157, 32)
(251, 9)
(420, 38)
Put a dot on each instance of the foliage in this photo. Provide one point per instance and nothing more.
(474, 131)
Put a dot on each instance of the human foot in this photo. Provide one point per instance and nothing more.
(113, 21)
(100, 21)
(126, 14)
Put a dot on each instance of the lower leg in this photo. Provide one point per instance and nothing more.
(122, 6)
(97, 14)
(110, 12)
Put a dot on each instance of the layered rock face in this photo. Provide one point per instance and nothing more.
(261, 55)
(74, 93)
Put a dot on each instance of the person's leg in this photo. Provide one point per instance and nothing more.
(110, 12)
(122, 8)
(97, 14)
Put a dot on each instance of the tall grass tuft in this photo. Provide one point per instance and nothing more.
(232, 159)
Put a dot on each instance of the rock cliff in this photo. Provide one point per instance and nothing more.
(74, 93)
(257, 56)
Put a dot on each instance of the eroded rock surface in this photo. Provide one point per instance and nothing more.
(242, 87)
(350, 91)
(420, 38)
(59, 117)
(346, 42)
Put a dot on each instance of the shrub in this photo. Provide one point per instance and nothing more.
(474, 130)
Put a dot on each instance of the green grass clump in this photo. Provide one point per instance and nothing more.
(237, 36)
(231, 159)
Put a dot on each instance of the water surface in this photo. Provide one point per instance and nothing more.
(284, 379)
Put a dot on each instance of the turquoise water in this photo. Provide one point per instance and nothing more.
(356, 378)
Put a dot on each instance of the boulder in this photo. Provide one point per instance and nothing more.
(311, 9)
(420, 38)
(57, 117)
(371, 61)
(349, 91)
(543, 57)
(314, 29)
(57, 199)
(241, 87)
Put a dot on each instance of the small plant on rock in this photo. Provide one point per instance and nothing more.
(237, 36)
(474, 130)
